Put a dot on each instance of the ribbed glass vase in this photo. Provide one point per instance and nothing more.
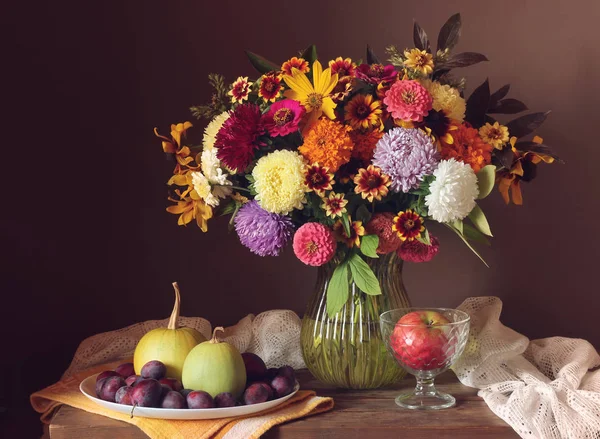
(347, 349)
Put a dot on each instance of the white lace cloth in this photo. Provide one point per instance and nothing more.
(543, 389)
(272, 335)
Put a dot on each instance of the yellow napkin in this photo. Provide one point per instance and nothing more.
(304, 403)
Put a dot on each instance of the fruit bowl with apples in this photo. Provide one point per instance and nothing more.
(425, 342)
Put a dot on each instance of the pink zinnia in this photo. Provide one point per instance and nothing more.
(314, 244)
(415, 251)
(283, 117)
(376, 73)
(408, 101)
(381, 225)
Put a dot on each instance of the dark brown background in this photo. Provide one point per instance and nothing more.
(89, 247)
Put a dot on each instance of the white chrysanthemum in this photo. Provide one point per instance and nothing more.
(211, 167)
(446, 98)
(210, 194)
(453, 192)
(211, 130)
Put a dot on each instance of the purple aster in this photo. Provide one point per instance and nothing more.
(406, 155)
(264, 233)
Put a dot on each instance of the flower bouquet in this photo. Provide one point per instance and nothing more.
(351, 161)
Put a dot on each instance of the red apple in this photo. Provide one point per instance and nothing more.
(419, 340)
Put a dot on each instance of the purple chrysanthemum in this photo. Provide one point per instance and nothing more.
(264, 233)
(406, 155)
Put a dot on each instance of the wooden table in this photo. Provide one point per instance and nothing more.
(357, 414)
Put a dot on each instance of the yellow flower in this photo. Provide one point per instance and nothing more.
(334, 205)
(419, 60)
(279, 181)
(189, 208)
(363, 112)
(495, 135)
(315, 97)
(446, 99)
(356, 231)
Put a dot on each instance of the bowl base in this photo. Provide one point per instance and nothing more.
(425, 401)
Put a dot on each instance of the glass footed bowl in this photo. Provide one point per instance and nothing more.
(425, 343)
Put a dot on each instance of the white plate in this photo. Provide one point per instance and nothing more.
(88, 388)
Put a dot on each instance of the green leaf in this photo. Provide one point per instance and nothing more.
(346, 224)
(229, 208)
(368, 245)
(508, 106)
(449, 33)
(499, 94)
(477, 105)
(458, 225)
(262, 65)
(460, 235)
(521, 126)
(425, 238)
(371, 57)
(479, 220)
(310, 54)
(338, 289)
(486, 178)
(472, 234)
(363, 276)
(363, 214)
(420, 38)
(464, 59)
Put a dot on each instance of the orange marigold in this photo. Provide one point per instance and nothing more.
(364, 144)
(468, 147)
(328, 143)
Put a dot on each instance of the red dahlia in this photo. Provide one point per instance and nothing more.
(237, 140)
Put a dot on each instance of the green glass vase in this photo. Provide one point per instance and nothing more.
(347, 349)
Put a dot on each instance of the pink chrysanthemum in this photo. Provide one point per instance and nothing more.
(381, 225)
(314, 244)
(408, 101)
(237, 140)
(415, 251)
(283, 117)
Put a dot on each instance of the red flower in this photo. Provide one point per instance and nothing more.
(415, 251)
(371, 183)
(295, 63)
(240, 90)
(343, 67)
(408, 225)
(318, 179)
(270, 86)
(237, 140)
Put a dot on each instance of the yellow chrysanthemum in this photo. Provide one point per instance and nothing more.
(211, 130)
(419, 60)
(446, 99)
(495, 135)
(315, 97)
(328, 143)
(279, 181)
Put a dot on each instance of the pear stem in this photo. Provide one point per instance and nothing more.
(175, 314)
(215, 339)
